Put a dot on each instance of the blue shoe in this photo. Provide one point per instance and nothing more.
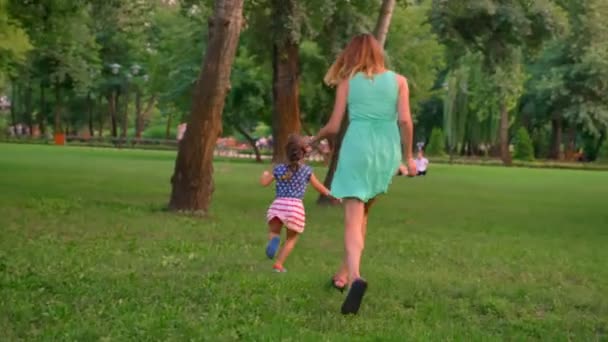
(272, 247)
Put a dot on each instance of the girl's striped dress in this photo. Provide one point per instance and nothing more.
(290, 188)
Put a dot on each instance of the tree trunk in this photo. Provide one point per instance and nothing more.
(285, 81)
(28, 107)
(192, 181)
(90, 106)
(112, 106)
(384, 20)
(251, 141)
(125, 116)
(382, 27)
(42, 112)
(58, 109)
(335, 155)
(168, 128)
(101, 121)
(14, 94)
(556, 138)
(139, 121)
(505, 154)
(571, 146)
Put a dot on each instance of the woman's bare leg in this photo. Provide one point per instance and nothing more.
(354, 212)
(341, 276)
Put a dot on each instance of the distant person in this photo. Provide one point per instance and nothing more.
(287, 208)
(421, 164)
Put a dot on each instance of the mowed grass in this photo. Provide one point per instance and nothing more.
(88, 253)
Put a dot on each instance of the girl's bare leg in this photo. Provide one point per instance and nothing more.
(290, 242)
(274, 228)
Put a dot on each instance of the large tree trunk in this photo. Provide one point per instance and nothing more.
(384, 20)
(192, 181)
(251, 141)
(556, 138)
(381, 32)
(505, 154)
(285, 81)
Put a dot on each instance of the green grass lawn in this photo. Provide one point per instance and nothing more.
(468, 253)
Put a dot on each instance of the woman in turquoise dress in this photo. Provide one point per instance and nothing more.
(379, 116)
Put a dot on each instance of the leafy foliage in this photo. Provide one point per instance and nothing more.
(524, 149)
(436, 146)
(602, 156)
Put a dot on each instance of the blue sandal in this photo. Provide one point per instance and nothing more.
(272, 247)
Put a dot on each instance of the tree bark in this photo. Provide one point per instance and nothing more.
(168, 127)
(42, 112)
(112, 104)
(101, 121)
(335, 156)
(556, 138)
(141, 115)
(28, 106)
(571, 147)
(58, 109)
(384, 20)
(505, 154)
(125, 117)
(251, 141)
(285, 81)
(192, 181)
(90, 106)
(14, 94)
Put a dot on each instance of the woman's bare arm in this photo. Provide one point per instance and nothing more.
(406, 125)
(333, 125)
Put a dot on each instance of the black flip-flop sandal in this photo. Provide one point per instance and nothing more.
(354, 297)
(334, 280)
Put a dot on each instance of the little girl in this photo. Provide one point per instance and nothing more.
(287, 209)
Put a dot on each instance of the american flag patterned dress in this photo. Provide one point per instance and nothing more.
(288, 206)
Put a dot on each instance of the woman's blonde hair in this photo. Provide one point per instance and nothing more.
(363, 54)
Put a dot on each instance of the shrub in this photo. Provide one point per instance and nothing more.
(436, 146)
(602, 155)
(524, 149)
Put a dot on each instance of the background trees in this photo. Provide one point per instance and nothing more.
(479, 70)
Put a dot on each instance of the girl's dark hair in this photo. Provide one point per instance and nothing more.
(295, 151)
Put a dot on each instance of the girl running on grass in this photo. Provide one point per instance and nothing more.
(287, 208)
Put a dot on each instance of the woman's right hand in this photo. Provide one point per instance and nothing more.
(411, 167)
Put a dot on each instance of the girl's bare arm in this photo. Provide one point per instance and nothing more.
(319, 186)
(266, 179)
